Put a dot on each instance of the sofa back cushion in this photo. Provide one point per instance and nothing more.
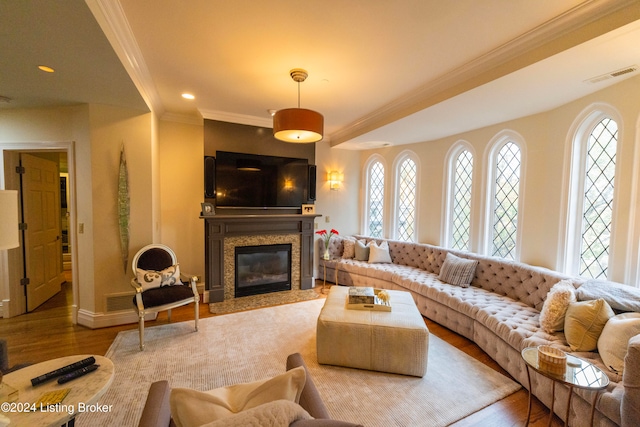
(519, 281)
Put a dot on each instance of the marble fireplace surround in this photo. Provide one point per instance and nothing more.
(223, 233)
(230, 244)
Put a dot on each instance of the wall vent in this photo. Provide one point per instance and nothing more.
(613, 74)
(120, 301)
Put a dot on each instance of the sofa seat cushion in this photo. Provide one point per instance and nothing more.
(517, 324)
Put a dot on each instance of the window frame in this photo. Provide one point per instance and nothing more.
(569, 250)
(493, 149)
(397, 163)
(450, 173)
(366, 179)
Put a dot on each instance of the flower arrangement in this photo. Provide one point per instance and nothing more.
(326, 237)
(384, 297)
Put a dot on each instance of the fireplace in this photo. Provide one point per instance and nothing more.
(262, 269)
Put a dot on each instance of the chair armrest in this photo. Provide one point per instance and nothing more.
(310, 398)
(157, 411)
(135, 285)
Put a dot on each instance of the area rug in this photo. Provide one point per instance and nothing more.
(252, 345)
(263, 300)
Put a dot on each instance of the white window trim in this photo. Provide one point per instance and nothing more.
(491, 153)
(447, 206)
(568, 255)
(400, 158)
(366, 172)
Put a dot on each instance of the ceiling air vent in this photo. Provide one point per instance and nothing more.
(613, 74)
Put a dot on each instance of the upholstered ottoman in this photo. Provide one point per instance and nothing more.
(395, 341)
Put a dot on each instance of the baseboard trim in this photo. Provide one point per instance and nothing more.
(101, 320)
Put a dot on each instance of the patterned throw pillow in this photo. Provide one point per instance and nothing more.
(457, 271)
(154, 279)
(349, 250)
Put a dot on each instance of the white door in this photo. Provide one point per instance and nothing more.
(42, 237)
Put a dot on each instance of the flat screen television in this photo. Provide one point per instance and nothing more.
(258, 181)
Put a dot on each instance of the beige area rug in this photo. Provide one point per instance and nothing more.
(252, 345)
(263, 300)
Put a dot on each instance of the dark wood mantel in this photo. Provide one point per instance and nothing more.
(218, 227)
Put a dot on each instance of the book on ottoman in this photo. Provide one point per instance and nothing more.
(364, 298)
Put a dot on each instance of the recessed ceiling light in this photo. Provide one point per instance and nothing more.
(46, 69)
(188, 96)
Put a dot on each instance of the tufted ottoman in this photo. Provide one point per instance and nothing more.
(395, 341)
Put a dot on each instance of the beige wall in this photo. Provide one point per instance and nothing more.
(181, 192)
(547, 138)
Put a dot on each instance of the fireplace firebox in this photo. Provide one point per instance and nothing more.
(262, 269)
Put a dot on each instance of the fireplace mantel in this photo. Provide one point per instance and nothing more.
(218, 227)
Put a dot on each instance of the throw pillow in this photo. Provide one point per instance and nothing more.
(613, 342)
(457, 271)
(154, 279)
(379, 254)
(555, 306)
(618, 296)
(190, 408)
(349, 248)
(362, 250)
(584, 322)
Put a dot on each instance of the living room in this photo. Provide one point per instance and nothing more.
(165, 206)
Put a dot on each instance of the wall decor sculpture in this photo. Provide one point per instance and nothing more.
(123, 208)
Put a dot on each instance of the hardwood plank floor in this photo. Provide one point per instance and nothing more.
(48, 333)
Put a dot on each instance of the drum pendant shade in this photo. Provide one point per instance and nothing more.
(298, 125)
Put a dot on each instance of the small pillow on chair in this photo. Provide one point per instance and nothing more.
(154, 279)
(195, 408)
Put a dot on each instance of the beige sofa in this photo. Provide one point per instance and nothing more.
(499, 312)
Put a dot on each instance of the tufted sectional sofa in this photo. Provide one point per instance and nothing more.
(499, 312)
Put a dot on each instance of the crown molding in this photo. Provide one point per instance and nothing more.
(114, 24)
(581, 23)
(242, 119)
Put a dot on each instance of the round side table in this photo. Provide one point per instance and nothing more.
(578, 374)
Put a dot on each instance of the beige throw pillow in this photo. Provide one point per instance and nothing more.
(555, 306)
(379, 253)
(584, 322)
(613, 342)
(362, 250)
(191, 408)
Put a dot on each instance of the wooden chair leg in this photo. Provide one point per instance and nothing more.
(197, 314)
(141, 330)
(169, 315)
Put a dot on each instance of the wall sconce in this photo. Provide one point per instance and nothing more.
(335, 179)
(9, 234)
(288, 184)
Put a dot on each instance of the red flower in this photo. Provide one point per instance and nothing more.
(334, 231)
(321, 232)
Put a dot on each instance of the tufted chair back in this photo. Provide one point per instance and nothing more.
(155, 259)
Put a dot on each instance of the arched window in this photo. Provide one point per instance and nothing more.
(458, 204)
(502, 236)
(406, 191)
(591, 202)
(374, 200)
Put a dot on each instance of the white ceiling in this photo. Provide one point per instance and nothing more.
(380, 72)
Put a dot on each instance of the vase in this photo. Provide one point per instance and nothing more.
(326, 254)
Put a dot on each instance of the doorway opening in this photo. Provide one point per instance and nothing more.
(60, 290)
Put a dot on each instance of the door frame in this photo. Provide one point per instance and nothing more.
(7, 309)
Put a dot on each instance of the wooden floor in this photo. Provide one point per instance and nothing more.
(48, 333)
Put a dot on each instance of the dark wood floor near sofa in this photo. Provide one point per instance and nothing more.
(48, 333)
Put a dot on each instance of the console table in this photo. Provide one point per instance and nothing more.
(217, 227)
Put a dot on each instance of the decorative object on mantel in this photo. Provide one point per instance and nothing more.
(207, 209)
(327, 238)
(298, 125)
(123, 208)
(308, 209)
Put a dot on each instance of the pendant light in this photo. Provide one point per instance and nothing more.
(298, 125)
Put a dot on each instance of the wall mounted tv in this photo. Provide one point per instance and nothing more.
(258, 181)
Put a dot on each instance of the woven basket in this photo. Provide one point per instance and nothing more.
(552, 360)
